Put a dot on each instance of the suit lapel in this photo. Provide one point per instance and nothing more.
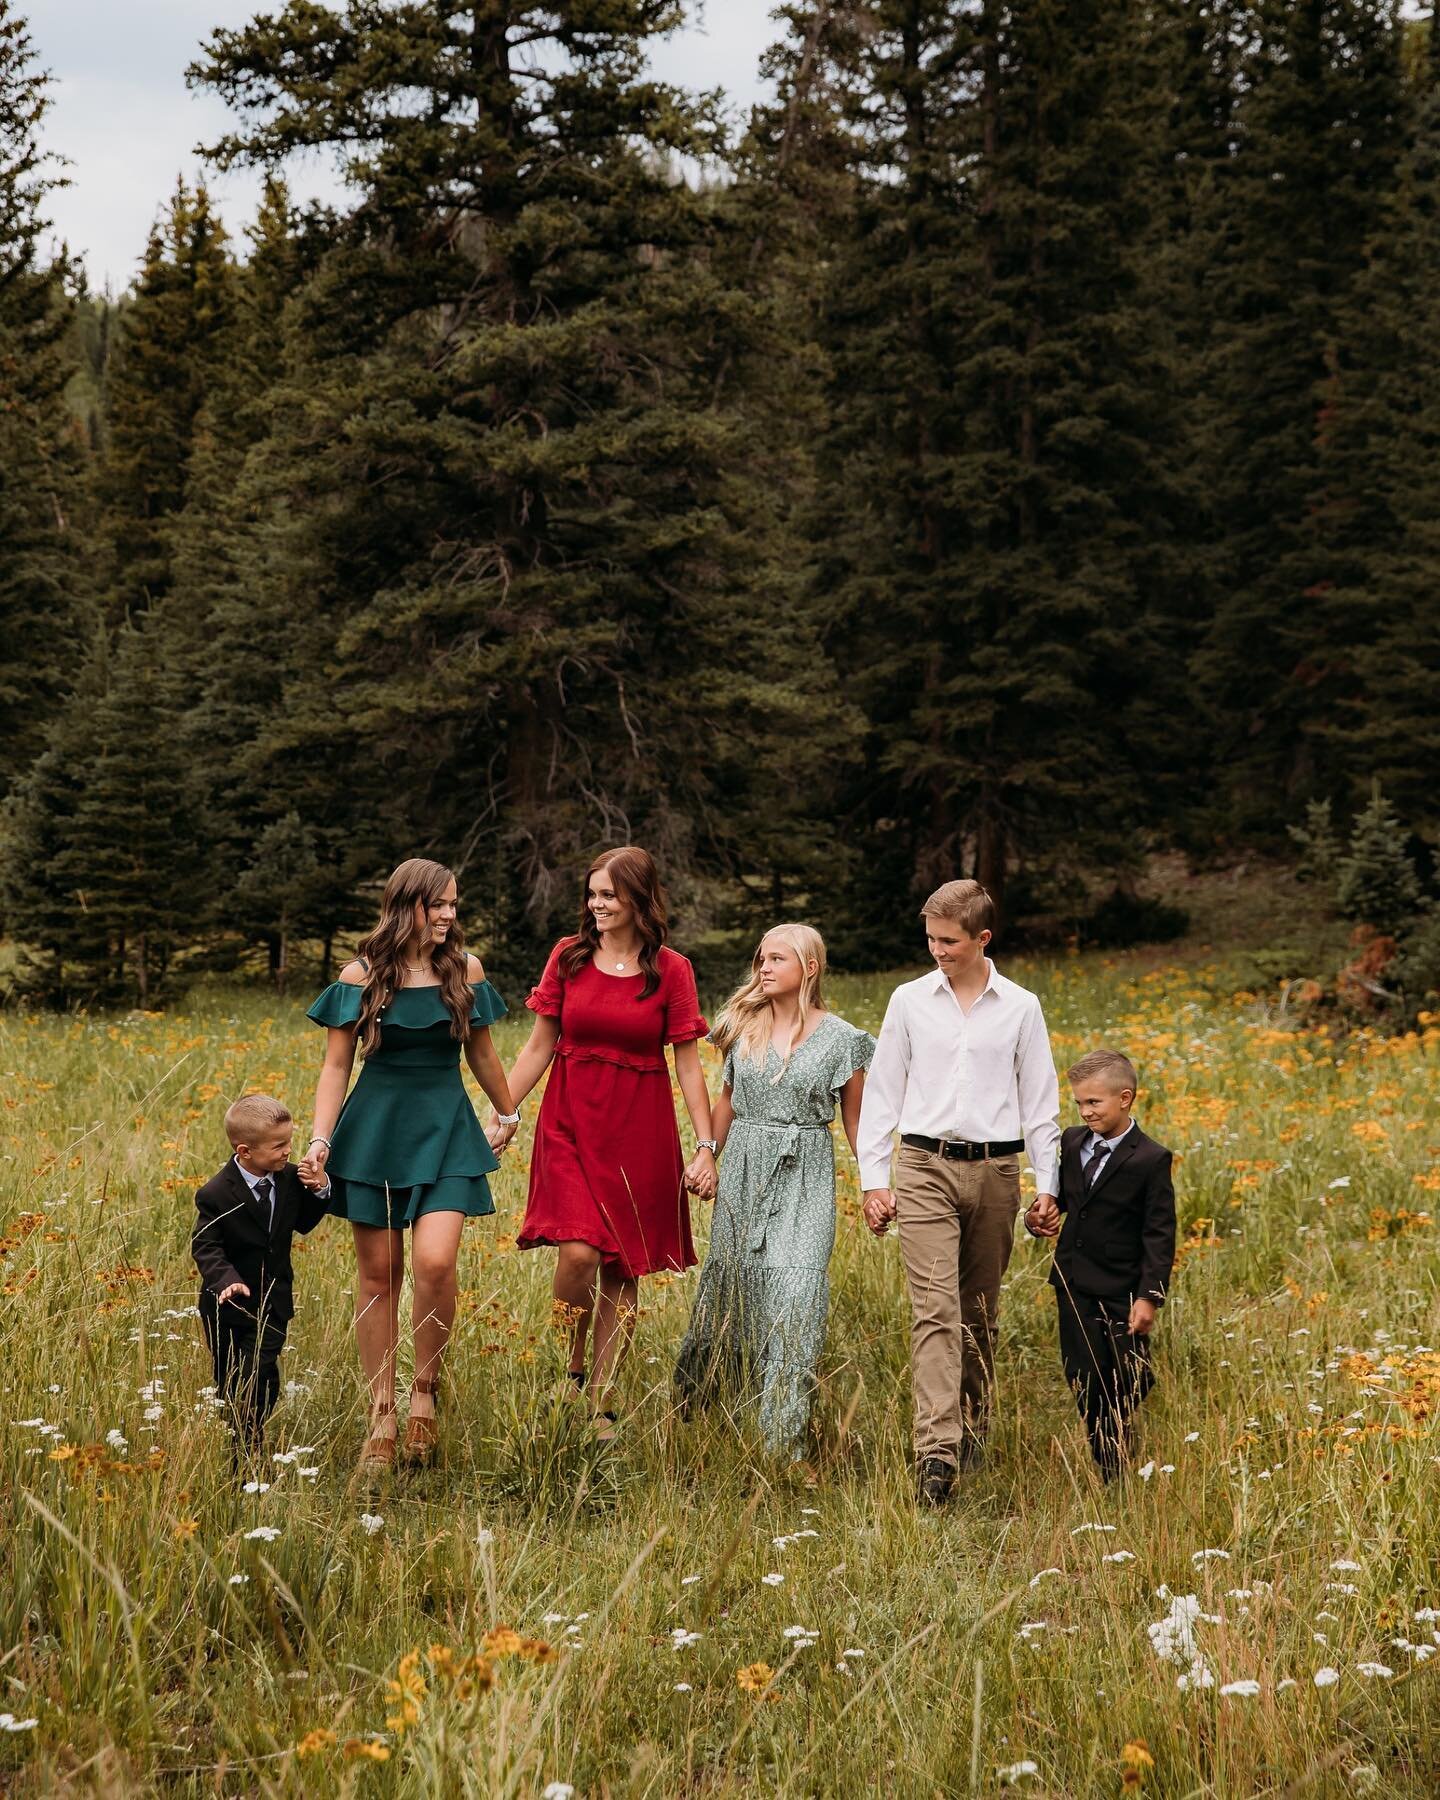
(1127, 1146)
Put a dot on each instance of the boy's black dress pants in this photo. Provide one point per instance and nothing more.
(246, 1353)
(1108, 1369)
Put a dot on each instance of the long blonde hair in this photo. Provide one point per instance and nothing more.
(747, 1019)
(384, 951)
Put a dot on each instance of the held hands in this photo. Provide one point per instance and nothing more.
(312, 1164)
(313, 1178)
(1142, 1317)
(1042, 1220)
(498, 1135)
(701, 1178)
(236, 1290)
(878, 1206)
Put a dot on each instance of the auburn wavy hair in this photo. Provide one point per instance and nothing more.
(748, 1017)
(637, 882)
(383, 951)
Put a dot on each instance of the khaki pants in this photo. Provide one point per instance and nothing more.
(957, 1228)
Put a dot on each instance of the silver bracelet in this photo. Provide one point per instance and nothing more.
(319, 1138)
(508, 1118)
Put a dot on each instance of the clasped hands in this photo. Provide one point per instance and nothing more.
(701, 1176)
(497, 1136)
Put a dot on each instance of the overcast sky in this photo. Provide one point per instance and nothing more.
(125, 119)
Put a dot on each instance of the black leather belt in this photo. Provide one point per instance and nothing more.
(959, 1149)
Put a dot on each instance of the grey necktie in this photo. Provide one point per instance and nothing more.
(1095, 1164)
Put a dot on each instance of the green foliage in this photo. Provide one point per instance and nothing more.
(45, 592)
(1014, 454)
(1375, 878)
(168, 337)
(1318, 843)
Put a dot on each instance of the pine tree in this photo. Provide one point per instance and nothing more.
(1378, 620)
(101, 834)
(509, 479)
(45, 597)
(1322, 121)
(170, 333)
(993, 481)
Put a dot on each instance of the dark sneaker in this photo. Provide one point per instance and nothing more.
(937, 1478)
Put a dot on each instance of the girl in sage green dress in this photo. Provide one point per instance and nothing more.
(405, 1151)
(759, 1318)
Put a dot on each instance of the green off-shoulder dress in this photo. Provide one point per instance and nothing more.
(407, 1140)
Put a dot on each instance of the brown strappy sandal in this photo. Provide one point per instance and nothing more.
(422, 1436)
(378, 1453)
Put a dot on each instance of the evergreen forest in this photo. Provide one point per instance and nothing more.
(1011, 451)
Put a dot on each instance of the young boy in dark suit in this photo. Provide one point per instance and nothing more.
(248, 1214)
(1114, 1255)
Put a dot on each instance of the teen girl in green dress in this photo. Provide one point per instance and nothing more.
(405, 1150)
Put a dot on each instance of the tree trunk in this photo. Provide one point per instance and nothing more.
(327, 958)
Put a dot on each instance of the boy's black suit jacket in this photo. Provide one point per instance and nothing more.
(233, 1239)
(1118, 1241)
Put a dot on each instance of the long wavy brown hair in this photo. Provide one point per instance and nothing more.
(637, 882)
(384, 951)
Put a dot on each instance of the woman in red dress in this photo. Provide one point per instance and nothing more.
(608, 1184)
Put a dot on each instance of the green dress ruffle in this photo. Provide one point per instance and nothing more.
(407, 1140)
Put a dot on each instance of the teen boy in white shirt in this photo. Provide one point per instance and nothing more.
(963, 1072)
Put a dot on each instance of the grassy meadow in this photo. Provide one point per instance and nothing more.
(676, 1615)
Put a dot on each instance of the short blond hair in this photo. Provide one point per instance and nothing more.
(252, 1115)
(1114, 1066)
(964, 903)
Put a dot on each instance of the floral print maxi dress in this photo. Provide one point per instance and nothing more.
(759, 1318)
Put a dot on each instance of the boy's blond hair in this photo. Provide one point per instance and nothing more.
(963, 903)
(1114, 1066)
(252, 1116)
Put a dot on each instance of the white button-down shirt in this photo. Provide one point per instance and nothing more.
(986, 1075)
(1093, 1143)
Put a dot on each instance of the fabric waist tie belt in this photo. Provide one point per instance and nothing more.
(960, 1149)
(783, 1147)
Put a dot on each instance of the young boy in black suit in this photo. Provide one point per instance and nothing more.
(1115, 1252)
(248, 1214)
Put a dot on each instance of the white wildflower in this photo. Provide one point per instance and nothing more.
(1145, 1471)
(267, 1533)
(1242, 1690)
(256, 1487)
(1017, 1772)
(681, 1639)
(1079, 1528)
(238, 1580)
(1035, 1580)
(1119, 1556)
(1326, 1677)
(8, 1722)
(372, 1522)
(1203, 1556)
(1375, 1670)
(773, 1579)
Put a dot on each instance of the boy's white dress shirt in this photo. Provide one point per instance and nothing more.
(986, 1076)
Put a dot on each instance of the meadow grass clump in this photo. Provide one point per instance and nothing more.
(1255, 1611)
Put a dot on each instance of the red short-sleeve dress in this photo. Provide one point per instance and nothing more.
(606, 1168)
